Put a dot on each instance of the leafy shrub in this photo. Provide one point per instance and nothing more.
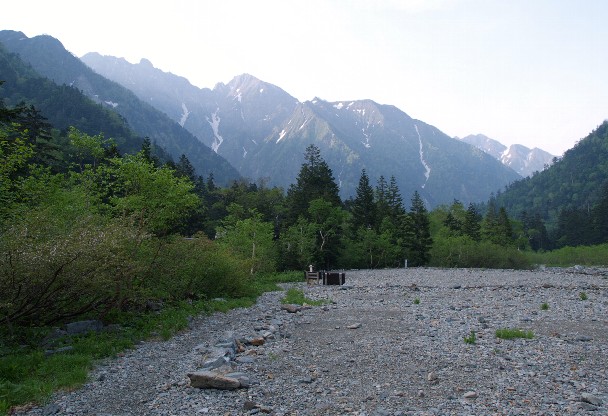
(471, 338)
(195, 268)
(570, 256)
(52, 270)
(464, 252)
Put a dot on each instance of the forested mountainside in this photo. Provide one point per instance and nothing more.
(574, 184)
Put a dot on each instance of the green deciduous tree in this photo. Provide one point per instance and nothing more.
(249, 237)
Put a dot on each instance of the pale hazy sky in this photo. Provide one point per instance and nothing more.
(519, 71)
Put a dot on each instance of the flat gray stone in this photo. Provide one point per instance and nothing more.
(213, 380)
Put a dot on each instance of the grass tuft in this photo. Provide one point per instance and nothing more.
(471, 339)
(512, 333)
(297, 297)
(544, 307)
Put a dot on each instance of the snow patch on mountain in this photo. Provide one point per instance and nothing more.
(303, 124)
(112, 104)
(366, 142)
(427, 168)
(244, 152)
(339, 106)
(215, 126)
(185, 114)
(281, 135)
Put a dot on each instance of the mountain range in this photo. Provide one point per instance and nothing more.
(262, 131)
(518, 157)
(252, 129)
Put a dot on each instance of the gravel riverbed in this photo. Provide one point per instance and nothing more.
(389, 342)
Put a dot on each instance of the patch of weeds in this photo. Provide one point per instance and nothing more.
(417, 301)
(273, 356)
(544, 307)
(512, 333)
(471, 339)
(583, 296)
(296, 297)
(269, 282)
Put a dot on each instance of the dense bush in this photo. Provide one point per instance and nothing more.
(195, 268)
(570, 256)
(464, 252)
(50, 270)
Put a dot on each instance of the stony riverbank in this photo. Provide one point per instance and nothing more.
(390, 342)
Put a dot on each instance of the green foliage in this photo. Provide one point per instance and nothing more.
(471, 225)
(32, 376)
(298, 245)
(154, 198)
(417, 301)
(544, 306)
(465, 252)
(52, 268)
(296, 297)
(571, 256)
(420, 245)
(315, 181)
(471, 338)
(192, 268)
(363, 207)
(583, 296)
(250, 238)
(512, 333)
(328, 224)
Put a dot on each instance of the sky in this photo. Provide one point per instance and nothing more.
(531, 72)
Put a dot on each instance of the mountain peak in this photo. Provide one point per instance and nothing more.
(517, 156)
(146, 63)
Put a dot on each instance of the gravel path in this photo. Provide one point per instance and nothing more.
(376, 350)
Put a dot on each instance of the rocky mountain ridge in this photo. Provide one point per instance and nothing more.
(520, 158)
(263, 131)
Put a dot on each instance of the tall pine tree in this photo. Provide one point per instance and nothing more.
(420, 245)
(315, 181)
(363, 206)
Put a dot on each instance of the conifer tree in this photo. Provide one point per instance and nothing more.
(420, 245)
(382, 209)
(363, 207)
(470, 226)
(394, 200)
(315, 181)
